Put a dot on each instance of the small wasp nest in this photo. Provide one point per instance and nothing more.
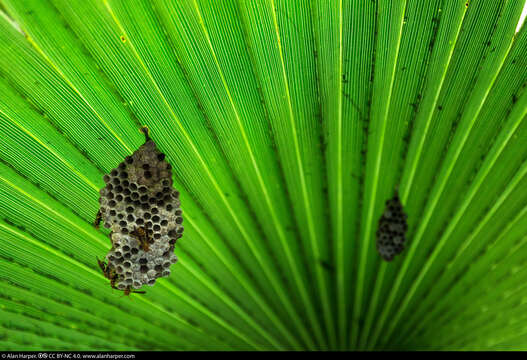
(392, 228)
(142, 210)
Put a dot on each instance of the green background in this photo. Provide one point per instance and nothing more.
(288, 125)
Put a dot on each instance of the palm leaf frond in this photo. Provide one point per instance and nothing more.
(288, 124)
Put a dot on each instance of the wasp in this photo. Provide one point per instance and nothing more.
(109, 272)
(98, 219)
(141, 235)
(127, 291)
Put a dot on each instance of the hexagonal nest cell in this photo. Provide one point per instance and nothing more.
(392, 229)
(142, 209)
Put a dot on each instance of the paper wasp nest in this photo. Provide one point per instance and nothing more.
(143, 211)
(392, 228)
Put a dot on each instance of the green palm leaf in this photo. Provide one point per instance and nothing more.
(288, 125)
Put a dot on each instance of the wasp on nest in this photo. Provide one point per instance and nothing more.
(142, 209)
